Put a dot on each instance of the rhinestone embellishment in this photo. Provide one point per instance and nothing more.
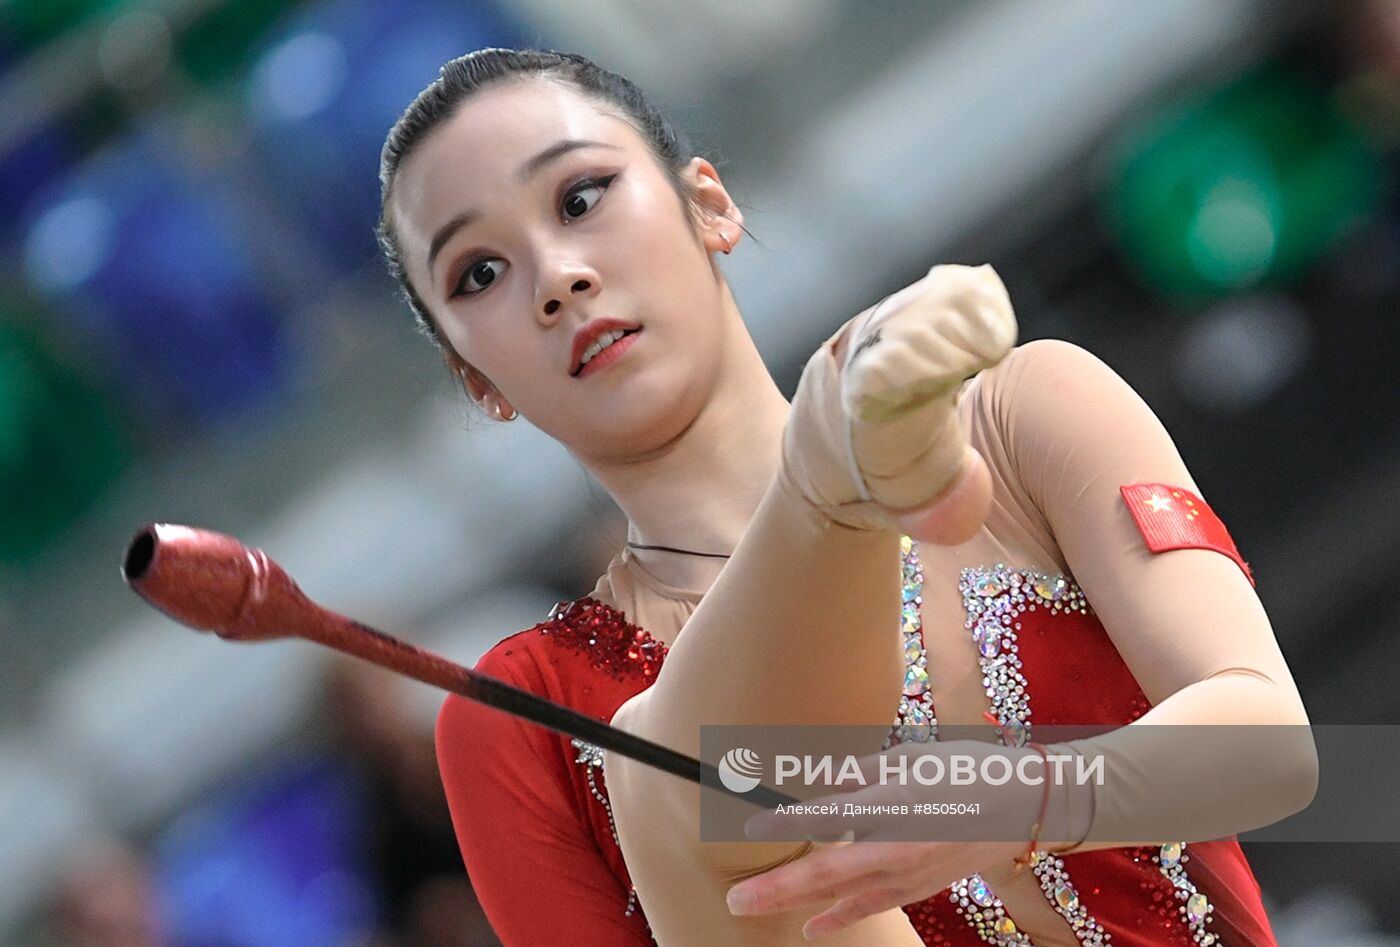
(914, 722)
(591, 757)
(612, 644)
(617, 648)
(973, 898)
(979, 892)
(1195, 907)
(1054, 881)
(993, 600)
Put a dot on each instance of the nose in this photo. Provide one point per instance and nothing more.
(569, 281)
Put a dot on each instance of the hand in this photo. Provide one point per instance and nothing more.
(866, 878)
(882, 867)
(922, 342)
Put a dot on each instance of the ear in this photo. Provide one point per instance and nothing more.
(721, 221)
(477, 386)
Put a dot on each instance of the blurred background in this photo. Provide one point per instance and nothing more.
(195, 327)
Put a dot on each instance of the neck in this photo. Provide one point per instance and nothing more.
(699, 490)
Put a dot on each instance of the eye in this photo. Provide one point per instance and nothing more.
(480, 273)
(576, 204)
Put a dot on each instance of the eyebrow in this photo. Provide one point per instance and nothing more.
(527, 170)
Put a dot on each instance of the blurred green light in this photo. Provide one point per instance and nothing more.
(1234, 236)
(59, 448)
(32, 22)
(215, 48)
(1245, 187)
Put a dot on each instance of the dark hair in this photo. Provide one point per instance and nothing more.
(465, 75)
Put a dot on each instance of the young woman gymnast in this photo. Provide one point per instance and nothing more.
(556, 238)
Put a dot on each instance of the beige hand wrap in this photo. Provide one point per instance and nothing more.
(891, 421)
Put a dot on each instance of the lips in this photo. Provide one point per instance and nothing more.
(589, 334)
(606, 357)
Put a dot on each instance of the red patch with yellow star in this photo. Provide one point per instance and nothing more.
(1175, 518)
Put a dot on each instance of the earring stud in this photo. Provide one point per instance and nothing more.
(728, 245)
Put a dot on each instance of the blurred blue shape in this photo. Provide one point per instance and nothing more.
(148, 261)
(276, 860)
(26, 168)
(326, 89)
(29, 164)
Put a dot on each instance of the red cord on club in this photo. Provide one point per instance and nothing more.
(213, 582)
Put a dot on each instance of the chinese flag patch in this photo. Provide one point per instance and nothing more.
(1175, 518)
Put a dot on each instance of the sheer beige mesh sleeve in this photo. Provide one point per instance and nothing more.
(1186, 621)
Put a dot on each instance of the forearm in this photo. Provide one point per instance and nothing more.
(1221, 756)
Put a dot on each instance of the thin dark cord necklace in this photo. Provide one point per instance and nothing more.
(684, 552)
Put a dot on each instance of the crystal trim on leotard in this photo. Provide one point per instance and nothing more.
(914, 722)
(1196, 909)
(993, 598)
(1054, 881)
(974, 899)
(591, 757)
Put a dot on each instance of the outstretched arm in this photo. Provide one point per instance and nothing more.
(1186, 621)
(801, 626)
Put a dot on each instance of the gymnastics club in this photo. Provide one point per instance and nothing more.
(212, 582)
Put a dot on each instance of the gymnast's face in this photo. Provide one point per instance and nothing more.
(530, 249)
